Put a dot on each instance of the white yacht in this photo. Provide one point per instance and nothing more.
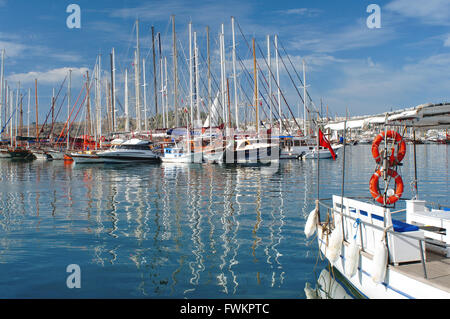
(177, 154)
(132, 150)
(85, 157)
(311, 152)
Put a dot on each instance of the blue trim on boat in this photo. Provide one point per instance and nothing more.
(399, 226)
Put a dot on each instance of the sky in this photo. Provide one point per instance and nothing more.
(349, 66)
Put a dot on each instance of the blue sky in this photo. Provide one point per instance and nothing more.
(404, 63)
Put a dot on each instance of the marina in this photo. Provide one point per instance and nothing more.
(218, 160)
(177, 230)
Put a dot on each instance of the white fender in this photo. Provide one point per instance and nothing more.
(352, 258)
(379, 262)
(310, 293)
(311, 223)
(335, 244)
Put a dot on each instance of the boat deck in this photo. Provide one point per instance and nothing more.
(437, 268)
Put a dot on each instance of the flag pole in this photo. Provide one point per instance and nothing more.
(343, 171)
(318, 168)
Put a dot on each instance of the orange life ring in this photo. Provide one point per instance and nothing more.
(393, 160)
(375, 190)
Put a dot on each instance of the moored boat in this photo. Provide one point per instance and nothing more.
(380, 256)
(250, 151)
(133, 150)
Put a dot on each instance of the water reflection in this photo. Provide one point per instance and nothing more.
(169, 230)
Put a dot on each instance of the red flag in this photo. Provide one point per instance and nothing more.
(324, 143)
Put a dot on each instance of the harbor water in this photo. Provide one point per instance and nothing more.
(179, 230)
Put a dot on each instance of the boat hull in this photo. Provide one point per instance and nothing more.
(395, 286)
(56, 155)
(86, 159)
(258, 155)
(127, 158)
(376, 278)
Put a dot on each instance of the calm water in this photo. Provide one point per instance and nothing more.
(177, 231)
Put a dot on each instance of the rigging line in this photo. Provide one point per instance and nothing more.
(250, 102)
(307, 92)
(73, 108)
(53, 105)
(271, 73)
(281, 93)
(249, 78)
(213, 82)
(60, 106)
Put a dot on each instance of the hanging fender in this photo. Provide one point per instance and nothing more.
(375, 190)
(393, 160)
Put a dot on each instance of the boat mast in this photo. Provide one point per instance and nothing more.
(68, 107)
(197, 83)
(236, 107)
(28, 112)
(154, 77)
(88, 106)
(136, 91)
(278, 80)
(113, 89)
(37, 116)
(16, 116)
(145, 95)
(209, 84)
(127, 120)
(191, 79)
(256, 87)
(175, 76)
(53, 114)
(138, 77)
(166, 93)
(270, 80)
(21, 115)
(99, 97)
(223, 73)
(161, 69)
(10, 115)
(304, 98)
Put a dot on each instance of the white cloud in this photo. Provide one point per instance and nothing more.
(447, 41)
(434, 12)
(311, 12)
(47, 77)
(367, 87)
(12, 49)
(348, 38)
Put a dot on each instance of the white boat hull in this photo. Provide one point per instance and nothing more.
(4, 154)
(183, 158)
(41, 156)
(86, 158)
(395, 286)
(56, 155)
(399, 282)
(264, 154)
